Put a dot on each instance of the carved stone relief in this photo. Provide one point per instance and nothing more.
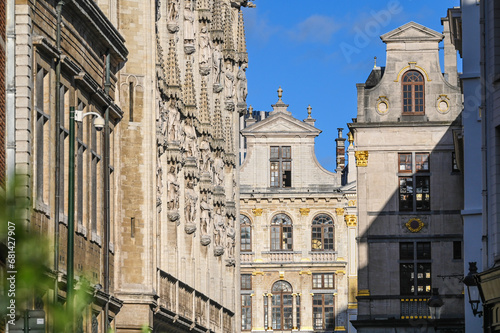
(172, 194)
(172, 15)
(190, 199)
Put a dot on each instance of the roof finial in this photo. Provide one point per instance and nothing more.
(250, 112)
(309, 109)
(280, 93)
(375, 62)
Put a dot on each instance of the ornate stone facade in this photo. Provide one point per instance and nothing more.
(409, 194)
(298, 255)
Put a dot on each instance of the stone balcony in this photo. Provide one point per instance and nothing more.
(287, 257)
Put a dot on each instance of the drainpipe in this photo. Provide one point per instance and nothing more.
(106, 194)
(10, 103)
(57, 175)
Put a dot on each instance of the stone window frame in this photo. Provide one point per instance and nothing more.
(245, 224)
(411, 182)
(320, 241)
(280, 166)
(246, 312)
(278, 290)
(323, 280)
(281, 228)
(412, 88)
(415, 260)
(246, 281)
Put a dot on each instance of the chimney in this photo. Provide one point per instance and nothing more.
(340, 141)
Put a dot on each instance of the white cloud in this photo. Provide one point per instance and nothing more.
(316, 28)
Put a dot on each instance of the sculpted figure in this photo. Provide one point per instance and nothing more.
(205, 156)
(242, 84)
(190, 138)
(174, 119)
(219, 171)
(218, 227)
(217, 64)
(204, 47)
(206, 212)
(173, 189)
(190, 204)
(172, 10)
(229, 82)
(188, 23)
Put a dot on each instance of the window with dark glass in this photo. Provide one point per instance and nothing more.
(323, 281)
(413, 93)
(246, 312)
(281, 166)
(454, 163)
(415, 268)
(323, 312)
(246, 281)
(414, 184)
(322, 233)
(281, 233)
(282, 306)
(457, 250)
(245, 233)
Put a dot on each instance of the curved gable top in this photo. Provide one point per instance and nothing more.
(412, 32)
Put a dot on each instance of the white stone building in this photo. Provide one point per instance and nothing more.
(297, 230)
(410, 191)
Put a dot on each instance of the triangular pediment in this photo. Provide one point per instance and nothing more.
(412, 32)
(280, 124)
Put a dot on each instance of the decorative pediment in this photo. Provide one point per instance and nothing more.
(279, 124)
(412, 32)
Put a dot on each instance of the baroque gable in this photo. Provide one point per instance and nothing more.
(281, 124)
(412, 32)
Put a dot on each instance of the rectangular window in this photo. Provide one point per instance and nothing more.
(414, 191)
(415, 268)
(457, 250)
(246, 312)
(323, 281)
(245, 239)
(42, 106)
(246, 282)
(323, 312)
(454, 164)
(281, 166)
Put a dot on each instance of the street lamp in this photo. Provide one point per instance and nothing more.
(435, 303)
(472, 289)
(99, 125)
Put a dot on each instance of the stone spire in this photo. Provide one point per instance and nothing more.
(217, 33)
(228, 34)
(218, 133)
(189, 94)
(173, 74)
(242, 44)
(228, 131)
(204, 115)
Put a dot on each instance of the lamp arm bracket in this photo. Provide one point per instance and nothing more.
(79, 115)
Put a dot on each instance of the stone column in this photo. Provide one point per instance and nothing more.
(269, 311)
(294, 311)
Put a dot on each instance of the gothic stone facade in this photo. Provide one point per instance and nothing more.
(410, 190)
(298, 229)
(182, 90)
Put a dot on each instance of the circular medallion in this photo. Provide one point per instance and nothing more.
(442, 104)
(382, 105)
(414, 225)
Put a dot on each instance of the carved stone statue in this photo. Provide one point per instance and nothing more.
(190, 144)
(219, 228)
(229, 82)
(188, 23)
(204, 48)
(172, 10)
(242, 84)
(205, 156)
(219, 171)
(190, 202)
(206, 213)
(174, 119)
(217, 64)
(173, 189)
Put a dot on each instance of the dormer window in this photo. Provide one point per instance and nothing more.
(413, 93)
(281, 166)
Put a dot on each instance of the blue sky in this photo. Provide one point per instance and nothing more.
(318, 50)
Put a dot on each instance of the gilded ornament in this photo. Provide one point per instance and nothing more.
(352, 203)
(304, 211)
(415, 225)
(361, 158)
(351, 220)
(339, 211)
(257, 211)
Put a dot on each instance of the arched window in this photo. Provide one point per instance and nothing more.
(245, 233)
(281, 233)
(322, 233)
(413, 93)
(282, 306)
